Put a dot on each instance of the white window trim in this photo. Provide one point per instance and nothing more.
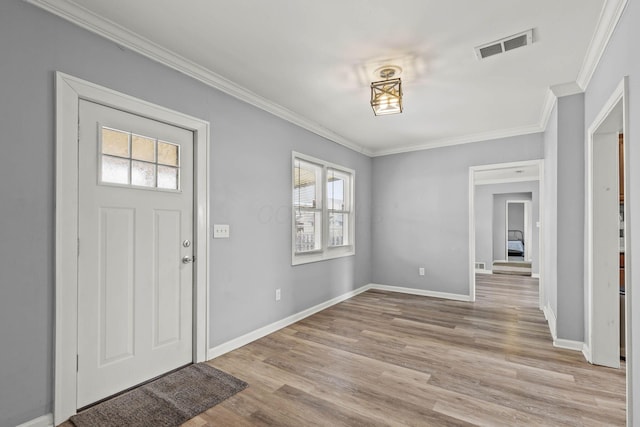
(326, 252)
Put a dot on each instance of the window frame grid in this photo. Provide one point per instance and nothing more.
(316, 208)
(326, 251)
(130, 159)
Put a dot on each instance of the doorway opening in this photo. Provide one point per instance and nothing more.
(490, 188)
(608, 288)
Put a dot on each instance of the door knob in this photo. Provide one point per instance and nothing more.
(187, 259)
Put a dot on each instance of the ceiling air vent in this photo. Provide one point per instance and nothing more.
(508, 43)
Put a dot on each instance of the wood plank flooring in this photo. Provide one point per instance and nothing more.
(391, 359)
(385, 358)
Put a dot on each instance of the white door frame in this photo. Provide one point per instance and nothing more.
(472, 225)
(619, 95)
(69, 91)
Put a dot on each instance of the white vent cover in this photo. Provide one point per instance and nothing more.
(480, 265)
(503, 45)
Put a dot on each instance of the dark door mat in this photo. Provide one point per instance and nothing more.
(167, 401)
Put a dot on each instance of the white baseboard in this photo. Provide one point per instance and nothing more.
(420, 292)
(483, 271)
(535, 275)
(551, 321)
(43, 421)
(559, 342)
(245, 339)
(568, 344)
(586, 351)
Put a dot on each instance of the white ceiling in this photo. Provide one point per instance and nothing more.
(311, 62)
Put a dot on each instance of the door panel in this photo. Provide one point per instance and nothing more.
(115, 303)
(135, 210)
(167, 273)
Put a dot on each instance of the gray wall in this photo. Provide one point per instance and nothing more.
(250, 181)
(421, 211)
(570, 228)
(563, 225)
(485, 215)
(549, 223)
(621, 59)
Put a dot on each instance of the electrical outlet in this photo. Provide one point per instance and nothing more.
(278, 294)
(421, 271)
(220, 231)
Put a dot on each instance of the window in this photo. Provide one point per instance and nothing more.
(138, 161)
(323, 226)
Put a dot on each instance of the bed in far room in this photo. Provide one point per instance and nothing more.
(515, 243)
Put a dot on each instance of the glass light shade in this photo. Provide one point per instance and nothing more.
(386, 97)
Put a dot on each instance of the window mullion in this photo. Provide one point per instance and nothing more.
(325, 211)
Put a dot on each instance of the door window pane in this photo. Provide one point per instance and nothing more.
(143, 148)
(143, 174)
(115, 142)
(167, 177)
(168, 154)
(115, 170)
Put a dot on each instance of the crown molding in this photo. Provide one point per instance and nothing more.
(541, 126)
(566, 89)
(550, 100)
(465, 139)
(609, 16)
(90, 21)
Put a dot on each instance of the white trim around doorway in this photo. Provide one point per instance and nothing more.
(472, 226)
(619, 96)
(69, 91)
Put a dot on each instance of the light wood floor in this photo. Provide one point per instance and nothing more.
(385, 358)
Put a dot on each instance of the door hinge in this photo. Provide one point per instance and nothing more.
(77, 363)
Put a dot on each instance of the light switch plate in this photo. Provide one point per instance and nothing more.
(220, 231)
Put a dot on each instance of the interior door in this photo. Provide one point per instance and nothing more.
(135, 274)
(605, 257)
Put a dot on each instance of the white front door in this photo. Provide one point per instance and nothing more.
(135, 275)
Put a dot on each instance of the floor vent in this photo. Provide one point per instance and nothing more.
(504, 45)
(480, 265)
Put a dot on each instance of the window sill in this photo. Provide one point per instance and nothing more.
(331, 253)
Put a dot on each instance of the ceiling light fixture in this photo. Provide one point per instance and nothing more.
(386, 94)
